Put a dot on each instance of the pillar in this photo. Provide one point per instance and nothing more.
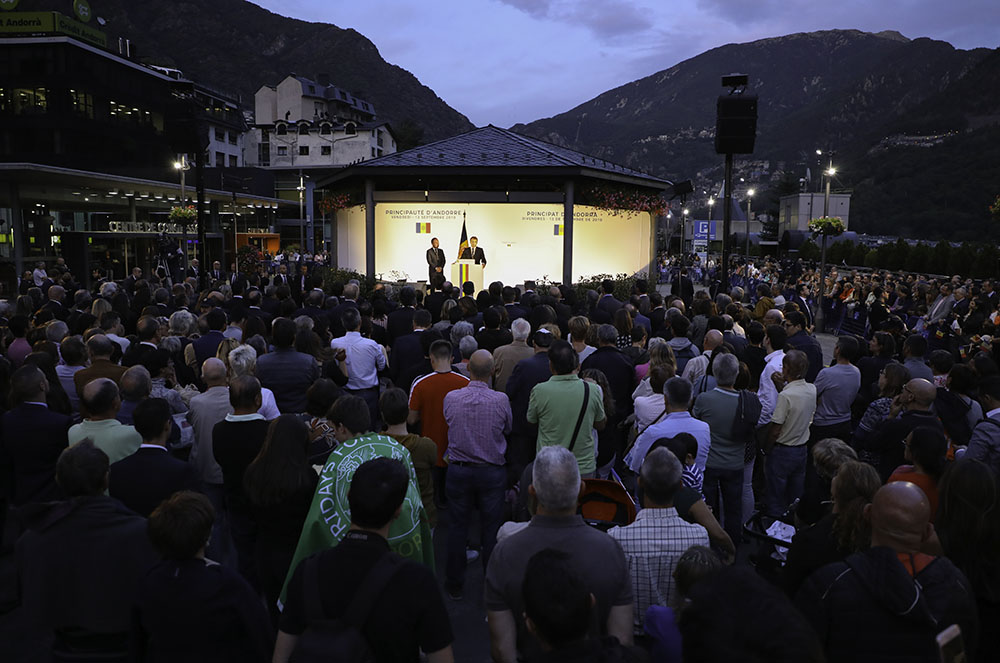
(568, 202)
(370, 228)
(17, 227)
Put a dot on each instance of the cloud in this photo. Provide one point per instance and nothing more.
(606, 19)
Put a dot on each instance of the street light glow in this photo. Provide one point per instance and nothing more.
(686, 212)
(711, 201)
(819, 152)
(832, 171)
(178, 165)
(750, 193)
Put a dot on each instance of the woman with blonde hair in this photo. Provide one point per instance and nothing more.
(660, 354)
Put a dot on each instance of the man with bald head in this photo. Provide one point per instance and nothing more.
(890, 601)
(774, 316)
(698, 366)
(913, 407)
(478, 420)
(101, 400)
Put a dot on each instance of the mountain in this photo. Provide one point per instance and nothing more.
(236, 46)
(843, 90)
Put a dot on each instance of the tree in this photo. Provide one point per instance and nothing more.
(858, 255)
(871, 260)
(809, 250)
(408, 134)
(986, 263)
(919, 258)
(900, 252)
(938, 264)
(961, 260)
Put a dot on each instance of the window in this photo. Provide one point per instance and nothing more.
(264, 154)
(380, 141)
(325, 150)
(24, 101)
(350, 129)
(233, 161)
(303, 150)
(325, 129)
(318, 108)
(312, 89)
(265, 136)
(282, 151)
(220, 160)
(220, 135)
(83, 103)
(373, 151)
(281, 129)
(232, 137)
(303, 129)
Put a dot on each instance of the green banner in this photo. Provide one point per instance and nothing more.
(50, 22)
(28, 22)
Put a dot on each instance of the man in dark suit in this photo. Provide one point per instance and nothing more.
(608, 302)
(349, 300)
(527, 373)
(150, 475)
(619, 371)
(514, 310)
(193, 270)
(216, 273)
(31, 439)
(237, 277)
(474, 252)
(406, 350)
(400, 321)
(281, 278)
(301, 284)
(801, 299)
(435, 300)
(286, 372)
(206, 346)
(435, 265)
(683, 287)
(56, 294)
(147, 329)
(131, 280)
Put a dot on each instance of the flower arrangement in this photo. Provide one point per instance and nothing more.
(333, 203)
(248, 257)
(995, 209)
(619, 201)
(827, 225)
(184, 215)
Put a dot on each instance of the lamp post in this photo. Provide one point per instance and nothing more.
(684, 221)
(183, 166)
(750, 193)
(302, 219)
(820, 318)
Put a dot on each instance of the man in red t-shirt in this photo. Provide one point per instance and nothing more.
(427, 407)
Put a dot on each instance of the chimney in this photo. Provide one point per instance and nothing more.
(323, 79)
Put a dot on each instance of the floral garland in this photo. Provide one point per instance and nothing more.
(248, 257)
(183, 215)
(335, 202)
(995, 209)
(827, 225)
(622, 201)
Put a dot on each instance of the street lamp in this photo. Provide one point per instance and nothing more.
(183, 166)
(750, 193)
(302, 219)
(684, 223)
(829, 173)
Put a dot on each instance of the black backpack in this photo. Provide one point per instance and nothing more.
(953, 412)
(682, 356)
(340, 640)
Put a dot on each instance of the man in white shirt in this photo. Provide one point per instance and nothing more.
(364, 359)
(774, 343)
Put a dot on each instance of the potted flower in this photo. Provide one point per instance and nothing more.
(829, 226)
(185, 215)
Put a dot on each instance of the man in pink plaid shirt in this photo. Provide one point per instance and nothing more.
(478, 419)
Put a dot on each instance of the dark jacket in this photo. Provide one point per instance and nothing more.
(399, 322)
(31, 439)
(619, 371)
(147, 477)
(808, 344)
(528, 372)
(887, 440)
(111, 552)
(289, 374)
(206, 346)
(869, 608)
(406, 352)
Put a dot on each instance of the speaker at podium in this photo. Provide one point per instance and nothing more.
(467, 270)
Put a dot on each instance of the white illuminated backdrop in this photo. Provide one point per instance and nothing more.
(521, 241)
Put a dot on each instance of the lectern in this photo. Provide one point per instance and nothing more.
(467, 270)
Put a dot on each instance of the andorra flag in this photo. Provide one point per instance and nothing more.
(464, 244)
(557, 229)
(423, 228)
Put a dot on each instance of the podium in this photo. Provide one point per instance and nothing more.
(467, 270)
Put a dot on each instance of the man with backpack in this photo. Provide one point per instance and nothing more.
(984, 444)
(359, 601)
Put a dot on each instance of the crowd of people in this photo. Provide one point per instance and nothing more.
(239, 467)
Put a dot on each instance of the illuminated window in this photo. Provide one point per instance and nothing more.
(83, 103)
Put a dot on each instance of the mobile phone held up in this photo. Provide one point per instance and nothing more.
(950, 645)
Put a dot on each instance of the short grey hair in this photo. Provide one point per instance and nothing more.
(242, 360)
(351, 291)
(607, 334)
(725, 369)
(520, 329)
(661, 475)
(460, 330)
(556, 478)
(304, 323)
(171, 344)
(654, 341)
(56, 331)
(737, 293)
(467, 345)
(109, 290)
(181, 323)
(136, 383)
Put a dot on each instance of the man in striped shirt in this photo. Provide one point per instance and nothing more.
(658, 537)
